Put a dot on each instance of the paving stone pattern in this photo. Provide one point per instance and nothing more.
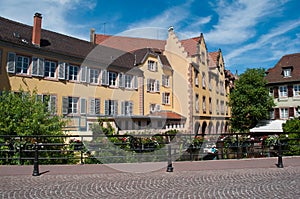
(230, 183)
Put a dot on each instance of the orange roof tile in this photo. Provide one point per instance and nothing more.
(128, 43)
(168, 115)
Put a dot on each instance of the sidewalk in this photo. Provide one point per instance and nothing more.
(15, 170)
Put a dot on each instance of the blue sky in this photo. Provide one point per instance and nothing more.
(250, 33)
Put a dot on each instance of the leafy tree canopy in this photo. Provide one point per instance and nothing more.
(250, 101)
(24, 113)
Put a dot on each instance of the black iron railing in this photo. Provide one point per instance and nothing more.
(74, 149)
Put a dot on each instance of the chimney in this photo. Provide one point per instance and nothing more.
(92, 36)
(37, 27)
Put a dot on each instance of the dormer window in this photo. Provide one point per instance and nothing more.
(287, 72)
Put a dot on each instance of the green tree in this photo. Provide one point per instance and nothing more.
(250, 101)
(26, 114)
(292, 126)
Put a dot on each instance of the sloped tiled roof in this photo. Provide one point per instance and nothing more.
(190, 46)
(21, 34)
(275, 75)
(168, 115)
(128, 43)
(213, 58)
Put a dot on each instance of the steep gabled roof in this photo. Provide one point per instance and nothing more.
(275, 74)
(20, 34)
(128, 43)
(213, 58)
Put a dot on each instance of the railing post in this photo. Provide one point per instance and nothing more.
(170, 167)
(36, 160)
(280, 163)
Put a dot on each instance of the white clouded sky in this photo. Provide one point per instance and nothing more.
(251, 33)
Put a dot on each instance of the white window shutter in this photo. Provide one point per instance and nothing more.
(34, 67)
(148, 84)
(131, 108)
(135, 82)
(163, 98)
(121, 80)
(92, 106)
(67, 69)
(106, 107)
(104, 79)
(88, 74)
(156, 66)
(116, 107)
(65, 105)
(11, 62)
(41, 67)
(163, 80)
(82, 106)
(52, 104)
(97, 106)
(123, 108)
(61, 70)
(157, 107)
(83, 73)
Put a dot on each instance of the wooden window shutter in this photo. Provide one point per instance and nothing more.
(291, 112)
(290, 91)
(276, 92)
(276, 113)
(106, 107)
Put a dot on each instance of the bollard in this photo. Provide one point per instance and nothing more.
(36, 161)
(170, 167)
(280, 163)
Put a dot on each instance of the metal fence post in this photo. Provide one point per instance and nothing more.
(280, 163)
(170, 167)
(36, 160)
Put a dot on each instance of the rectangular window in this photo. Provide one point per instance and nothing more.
(127, 108)
(70, 105)
(112, 79)
(22, 65)
(152, 65)
(297, 111)
(217, 107)
(50, 101)
(152, 85)
(50, 68)
(222, 107)
(73, 72)
(94, 76)
(197, 103)
(222, 88)
(284, 112)
(73, 105)
(128, 81)
(196, 78)
(111, 107)
(203, 80)
(154, 108)
(272, 115)
(204, 104)
(209, 83)
(282, 91)
(166, 98)
(165, 80)
(94, 106)
(297, 90)
(271, 91)
(287, 72)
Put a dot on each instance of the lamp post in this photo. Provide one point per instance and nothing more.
(36, 160)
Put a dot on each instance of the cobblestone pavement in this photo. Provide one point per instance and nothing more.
(271, 182)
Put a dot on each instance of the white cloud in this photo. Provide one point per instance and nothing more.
(271, 40)
(237, 20)
(54, 12)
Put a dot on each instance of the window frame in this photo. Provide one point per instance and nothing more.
(51, 71)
